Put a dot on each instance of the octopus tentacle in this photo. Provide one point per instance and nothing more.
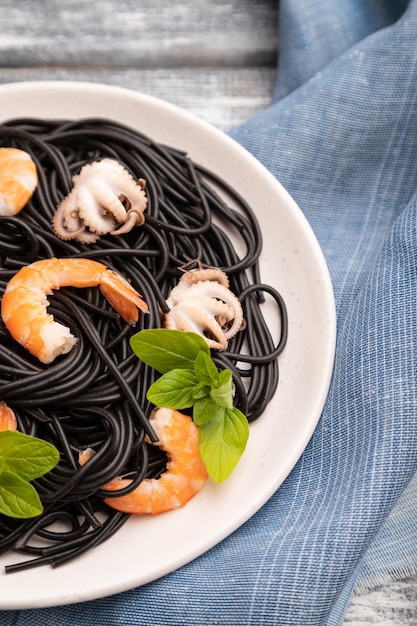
(193, 276)
(190, 318)
(94, 208)
(66, 223)
(133, 218)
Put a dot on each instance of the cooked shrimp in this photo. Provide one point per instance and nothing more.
(23, 307)
(18, 180)
(185, 472)
(7, 418)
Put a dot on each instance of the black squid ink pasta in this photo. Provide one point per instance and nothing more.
(95, 396)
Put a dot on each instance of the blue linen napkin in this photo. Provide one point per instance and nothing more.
(341, 135)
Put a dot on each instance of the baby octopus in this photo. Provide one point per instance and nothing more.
(105, 198)
(203, 303)
(18, 180)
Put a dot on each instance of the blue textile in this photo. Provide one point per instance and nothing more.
(341, 135)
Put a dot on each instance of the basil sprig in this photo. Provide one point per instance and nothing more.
(190, 378)
(22, 459)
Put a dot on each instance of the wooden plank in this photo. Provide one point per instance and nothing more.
(223, 97)
(393, 604)
(151, 33)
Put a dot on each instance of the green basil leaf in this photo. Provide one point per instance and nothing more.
(26, 456)
(223, 393)
(165, 349)
(174, 390)
(206, 409)
(201, 390)
(222, 442)
(18, 498)
(205, 368)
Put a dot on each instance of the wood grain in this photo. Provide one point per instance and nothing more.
(394, 604)
(151, 33)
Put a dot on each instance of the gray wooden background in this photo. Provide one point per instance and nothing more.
(215, 58)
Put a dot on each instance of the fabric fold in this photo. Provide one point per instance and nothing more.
(312, 34)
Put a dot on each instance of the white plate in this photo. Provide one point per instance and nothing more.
(292, 261)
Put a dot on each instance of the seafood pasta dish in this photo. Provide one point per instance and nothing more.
(134, 347)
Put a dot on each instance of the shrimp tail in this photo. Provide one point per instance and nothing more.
(7, 418)
(123, 298)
